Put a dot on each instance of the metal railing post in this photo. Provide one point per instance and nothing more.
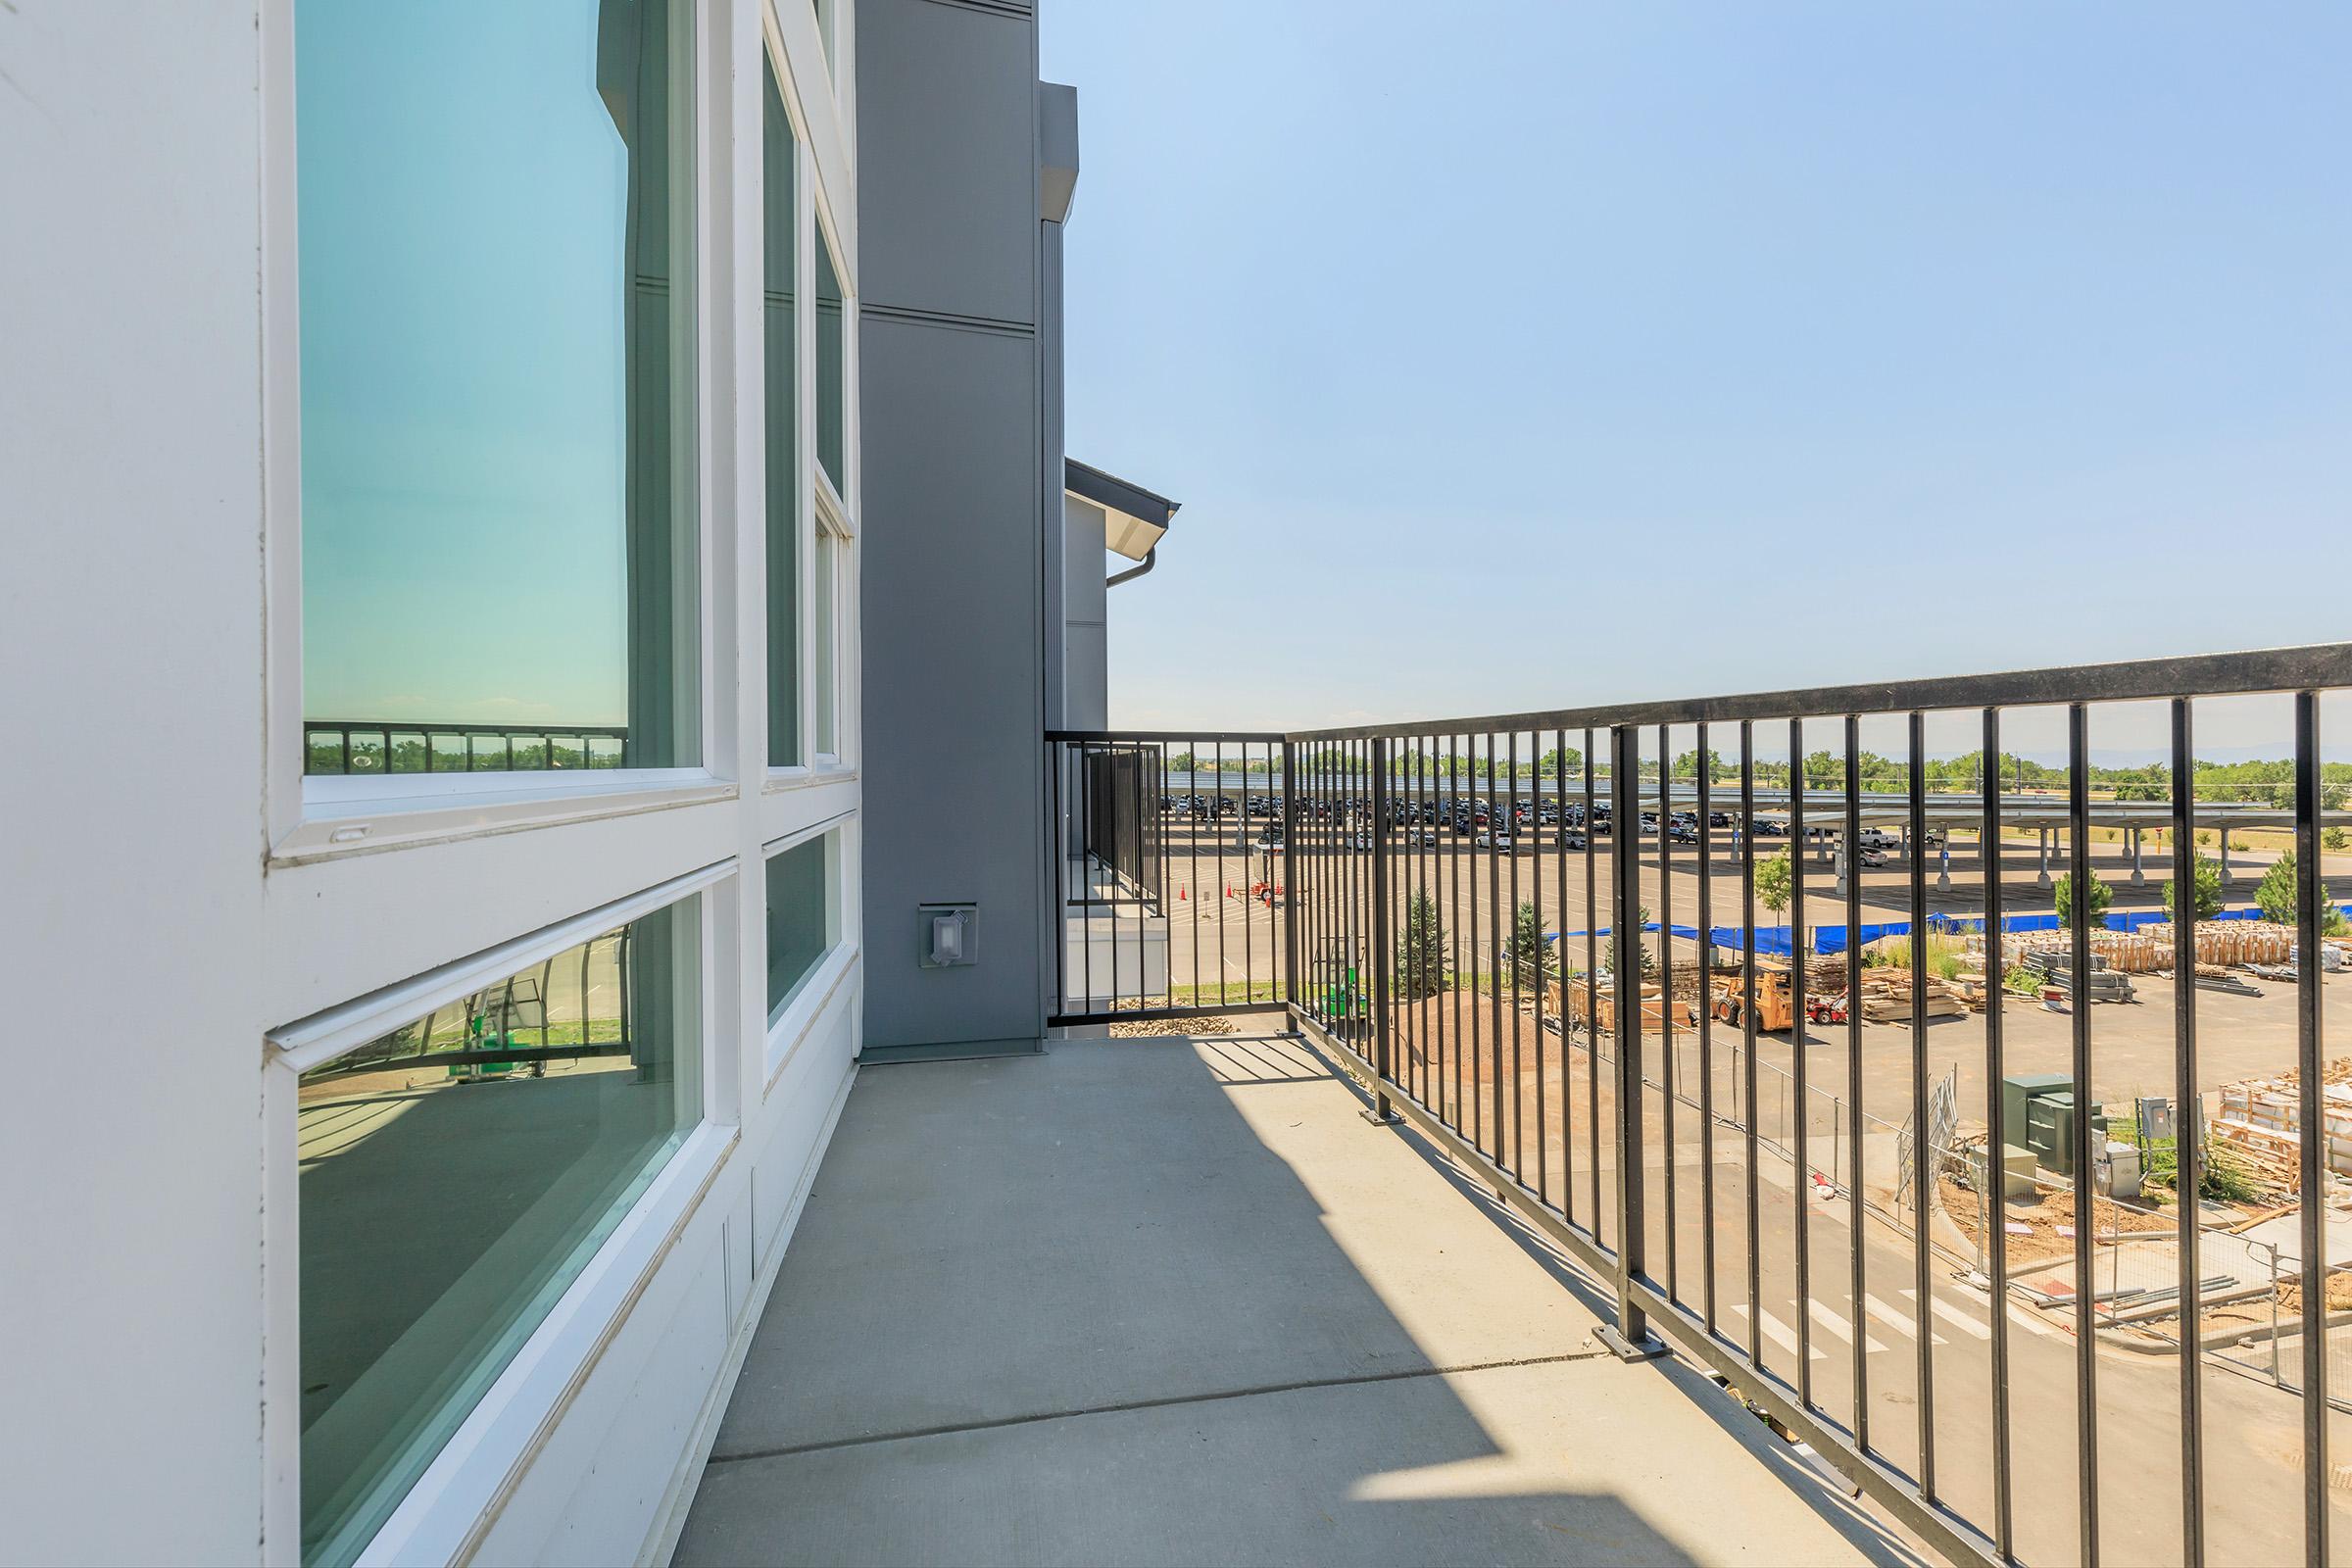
(1290, 875)
(1629, 1336)
(1383, 1067)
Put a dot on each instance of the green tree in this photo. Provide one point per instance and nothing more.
(1421, 951)
(1649, 960)
(1531, 955)
(2334, 839)
(2062, 895)
(2205, 875)
(2276, 895)
(1776, 881)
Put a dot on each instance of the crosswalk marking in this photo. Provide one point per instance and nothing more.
(1840, 1327)
(1778, 1332)
(1963, 1321)
(1887, 1313)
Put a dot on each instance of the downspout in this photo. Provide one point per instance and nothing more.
(1150, 559)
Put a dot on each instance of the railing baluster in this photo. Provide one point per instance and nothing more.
(1382, 1033)
(1510, 951)
(1593, 913)
(1632, 1332)
(1706, 1029)
(1057, 839)
(1796, 1054)
(2189, 1135)
(1851, 852)
(1996, 1068)
(2311, 1095)
(1493, 928)
(1560, 769)
(1923, 1153)
(1542, 962)
(1748, 1032)
(1289, 872)
(1667, 1075)
(2086, 1405)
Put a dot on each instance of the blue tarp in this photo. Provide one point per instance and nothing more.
(1775, 939)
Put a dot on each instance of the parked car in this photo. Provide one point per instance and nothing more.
(1571, 839)
(1492, 840)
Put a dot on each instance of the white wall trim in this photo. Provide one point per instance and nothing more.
(670, 1520)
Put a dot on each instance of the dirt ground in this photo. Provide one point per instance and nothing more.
(2044, 1218)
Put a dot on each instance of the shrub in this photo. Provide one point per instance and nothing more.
(2062, 895)
(1421, 951)
(2205, 875)
(1531, 955)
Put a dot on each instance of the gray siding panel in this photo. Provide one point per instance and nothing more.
(953, 763)
(947, 153)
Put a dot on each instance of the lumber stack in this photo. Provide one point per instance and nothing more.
(1886, 997)
(2231, 942)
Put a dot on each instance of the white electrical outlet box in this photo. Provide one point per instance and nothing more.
(949, 934)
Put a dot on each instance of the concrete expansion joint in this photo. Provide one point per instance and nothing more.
(1216, 1397)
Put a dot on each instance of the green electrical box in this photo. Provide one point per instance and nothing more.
(2050, 1129)
(2018, 1091)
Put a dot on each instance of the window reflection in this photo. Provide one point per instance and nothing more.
(785, 484)
(803, 919)
(498, 474)
(455, 1176)
(831, 369)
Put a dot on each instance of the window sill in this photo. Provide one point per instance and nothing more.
(781, 779)
(343, 817)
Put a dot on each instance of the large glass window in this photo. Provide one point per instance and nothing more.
(804, 915)
(781, 231)
(499, 548)
(826, 676)
(831, 368)
(455, 1176)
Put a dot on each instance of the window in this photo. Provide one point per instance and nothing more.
(499, 478)
(831, 368)
(780, 228)
(456, 1174)
(830, 547)
(804, 915)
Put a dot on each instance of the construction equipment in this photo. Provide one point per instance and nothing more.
(1774, 1010)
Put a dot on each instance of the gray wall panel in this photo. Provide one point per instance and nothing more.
(947, 157)
(953, 764)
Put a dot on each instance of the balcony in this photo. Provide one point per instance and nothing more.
(1172, 1299)
(1638, 1134)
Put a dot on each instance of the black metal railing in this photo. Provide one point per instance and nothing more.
(1571, 946)
(1168, 874)
(1122, 817)
(367, 747)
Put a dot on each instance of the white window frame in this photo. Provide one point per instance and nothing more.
(455, 1496)
(818, 150)
(309, 817)
(835, 531)
(789, 1025)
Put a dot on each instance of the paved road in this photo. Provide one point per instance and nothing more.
(2254, 1483)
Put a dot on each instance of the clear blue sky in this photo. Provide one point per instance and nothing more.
(1527, 355)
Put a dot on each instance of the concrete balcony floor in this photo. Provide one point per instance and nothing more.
(1175, 1301)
